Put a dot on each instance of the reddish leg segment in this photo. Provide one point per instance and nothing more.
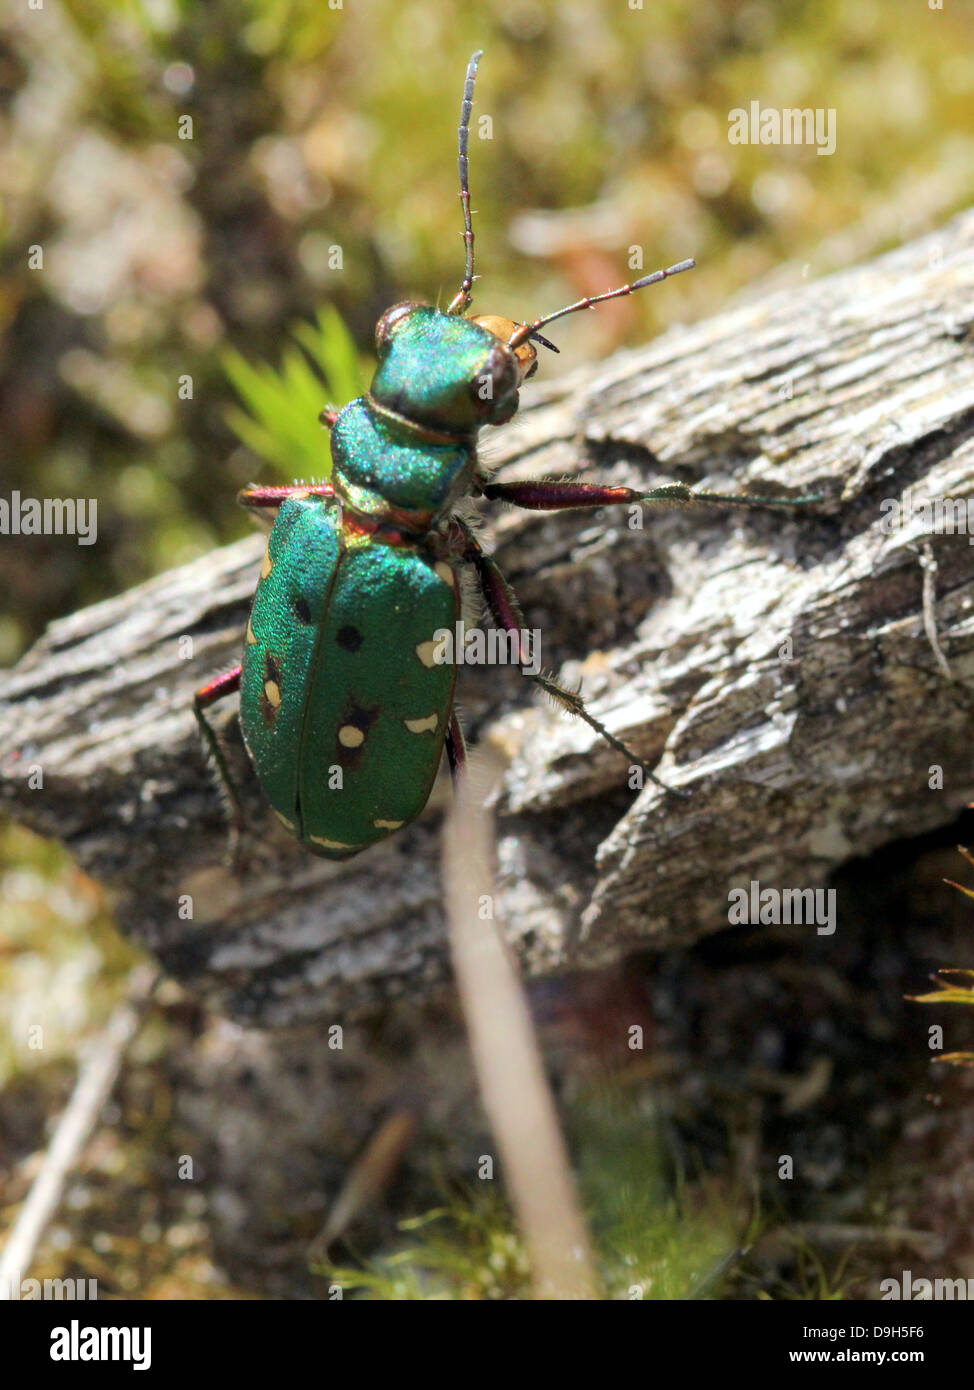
(223, 685)
(260, 498)
(269, 497)
(549, 495)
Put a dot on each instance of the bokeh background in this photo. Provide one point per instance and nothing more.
(316, 127)
(313, 128)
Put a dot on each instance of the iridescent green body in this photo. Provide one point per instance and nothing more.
(346, 686)
(344, 706)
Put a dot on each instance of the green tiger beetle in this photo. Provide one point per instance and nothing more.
(344, 703)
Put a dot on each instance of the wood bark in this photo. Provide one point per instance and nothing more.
(802, 676)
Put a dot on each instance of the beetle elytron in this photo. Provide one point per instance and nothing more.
(339, 672)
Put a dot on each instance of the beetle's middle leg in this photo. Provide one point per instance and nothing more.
(552, 495)
(506, 612)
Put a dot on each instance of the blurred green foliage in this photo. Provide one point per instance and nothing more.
(280, 423)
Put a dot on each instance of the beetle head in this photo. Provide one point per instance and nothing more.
(447, 372)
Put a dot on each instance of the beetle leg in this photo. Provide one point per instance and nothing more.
(456, 748)
(549, 495)
(261, 498)
(506, 612)
(208, 695)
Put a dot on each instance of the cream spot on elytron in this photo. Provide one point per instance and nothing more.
(273, 692)
(426, 653)
(267, 564)
(428, 725)
(251, 634)
(350, 737)
(445, 572)
(388, 824)
(329, 844)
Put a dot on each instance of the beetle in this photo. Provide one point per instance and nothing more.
(345, 706)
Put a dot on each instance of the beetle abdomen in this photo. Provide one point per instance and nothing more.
(348, 740)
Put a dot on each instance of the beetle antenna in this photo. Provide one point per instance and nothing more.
(463, 296)
(529, 330)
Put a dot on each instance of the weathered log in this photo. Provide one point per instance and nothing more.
(798, 674)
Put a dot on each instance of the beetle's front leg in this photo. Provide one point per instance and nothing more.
(262, 499)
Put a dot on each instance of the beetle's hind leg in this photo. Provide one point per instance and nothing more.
(506, 613)
(206, 696)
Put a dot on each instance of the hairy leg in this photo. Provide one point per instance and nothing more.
(260, 499)
(549, 495)
(506, 612)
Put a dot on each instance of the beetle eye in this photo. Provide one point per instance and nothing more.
(496, 379)
(390, 321)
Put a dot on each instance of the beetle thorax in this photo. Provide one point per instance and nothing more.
(405, 452)
(388, 471)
